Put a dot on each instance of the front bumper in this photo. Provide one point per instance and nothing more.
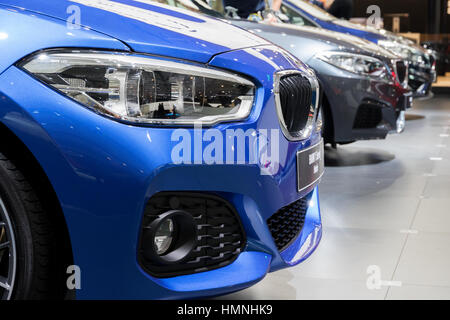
(420, 80)
(104, 173)
(251, 266)
(361, 108)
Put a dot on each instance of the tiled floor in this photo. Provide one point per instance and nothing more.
(443, 81)
(384, 204)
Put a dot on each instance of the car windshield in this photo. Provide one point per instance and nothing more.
(209, 7)
(313, 10)
(295, 17)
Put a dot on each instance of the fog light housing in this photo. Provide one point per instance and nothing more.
(170, 238)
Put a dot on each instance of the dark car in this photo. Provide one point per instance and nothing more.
(441, 53)
(421, 64)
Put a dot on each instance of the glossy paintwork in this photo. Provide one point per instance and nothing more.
(149, 27)
(308, 41)
(21, 39)
(104, 172)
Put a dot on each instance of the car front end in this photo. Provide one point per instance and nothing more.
(180, 171)
(422, 65)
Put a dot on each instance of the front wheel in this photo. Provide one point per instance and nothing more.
(28, 256)
(8, 254)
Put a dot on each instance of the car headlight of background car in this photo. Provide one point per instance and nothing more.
(356, 63)
(144, 89)
(404, 51)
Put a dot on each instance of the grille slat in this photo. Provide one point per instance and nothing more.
(295, 98)
(369, 115)
(220, 236)
(402, 71)
(287, 223)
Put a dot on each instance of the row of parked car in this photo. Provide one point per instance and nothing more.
(440, 51)
(168, 149)
(378, 73)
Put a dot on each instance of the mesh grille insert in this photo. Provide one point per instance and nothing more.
(369, 116)
(401, 71)
(287, 223)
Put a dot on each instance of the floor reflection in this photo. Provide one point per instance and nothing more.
(355, 156)
(412, 117)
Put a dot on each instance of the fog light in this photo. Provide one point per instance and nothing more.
(170, 238)
(164, 236)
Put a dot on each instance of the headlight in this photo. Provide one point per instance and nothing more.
(404, 51)
(359, 64)
(145, 89)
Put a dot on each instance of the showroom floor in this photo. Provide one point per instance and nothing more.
(386, 208)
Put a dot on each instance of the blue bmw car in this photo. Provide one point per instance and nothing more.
(150, 153)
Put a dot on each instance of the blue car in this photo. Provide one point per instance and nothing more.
(150, 153)
(422, 65)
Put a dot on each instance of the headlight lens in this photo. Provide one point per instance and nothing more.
(359, 64)
(144, 89)
(404, 51)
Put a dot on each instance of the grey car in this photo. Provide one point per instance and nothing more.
(364, 86)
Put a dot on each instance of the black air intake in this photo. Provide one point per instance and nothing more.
(369, 115)
(287, 223)
(220, 236)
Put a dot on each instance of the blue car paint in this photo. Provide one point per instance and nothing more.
(104, 172)
(18, 47)
(145, 28)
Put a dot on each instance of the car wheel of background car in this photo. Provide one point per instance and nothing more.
(28, 263)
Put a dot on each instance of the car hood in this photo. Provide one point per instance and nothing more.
(382, 33)
(342, 39)
(351, 25)
(401, 40)
(305, 36)
(148, 27)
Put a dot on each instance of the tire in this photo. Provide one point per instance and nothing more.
(36, 268)
(328, 124)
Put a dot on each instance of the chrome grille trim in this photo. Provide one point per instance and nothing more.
(314, 106)
(404, 83)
